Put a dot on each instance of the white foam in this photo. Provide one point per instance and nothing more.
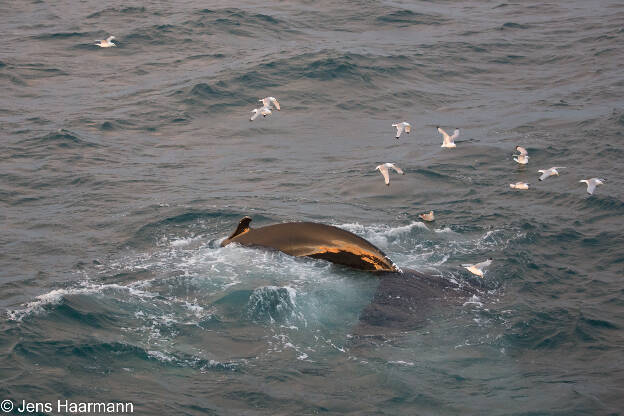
(55, 297)
(474, 300)
(382, 231)
(161, 356)
(182, 242)
(404, 363)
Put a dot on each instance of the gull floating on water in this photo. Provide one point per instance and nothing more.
(269, 101)
(265, 111)
(477, 269)
(549, 172)
(427, 217)
(448, 141)
(523, 157)
(519, 185)
(383, 168)
(592, 184)
(106, 43)
(402, 126)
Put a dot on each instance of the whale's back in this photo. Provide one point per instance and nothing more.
(317, 241)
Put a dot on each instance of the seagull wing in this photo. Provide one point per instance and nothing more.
(274, 101)
(108, 39)
(521, 150)
(591, 187)
(483, 264)
(384, 171)
(444, 134)
(254, 114)
(399, 128)
(472, 268)
(455, 135)
(396, 168)
(545, 174)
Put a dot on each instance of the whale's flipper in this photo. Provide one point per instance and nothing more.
(243, 227)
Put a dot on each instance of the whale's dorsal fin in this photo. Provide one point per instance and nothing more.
(243, 227)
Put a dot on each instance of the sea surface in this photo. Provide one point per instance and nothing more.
(122, 169)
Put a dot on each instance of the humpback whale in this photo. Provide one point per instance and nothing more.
(404, 298)
(314, 240)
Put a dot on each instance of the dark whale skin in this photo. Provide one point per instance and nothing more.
(314, 240)
(405, 300)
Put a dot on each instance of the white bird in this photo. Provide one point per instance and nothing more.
(477, 269)
(265, 111)
(448, 141)
(523, 157)
(402, 126)
(549, 172)
(383, 168)
(427, 217)
(106, 43)
(592, 184)
(519, 185)
(268, 101)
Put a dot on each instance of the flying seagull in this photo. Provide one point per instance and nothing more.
(549, 172)
(265, 111)
(383, 168)
(448, 141)
(106, 43)
(523, 157)
(477, 269)
(592, 184)
(402, 126)
(269, 101)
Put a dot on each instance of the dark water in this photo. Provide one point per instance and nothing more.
(122, 169)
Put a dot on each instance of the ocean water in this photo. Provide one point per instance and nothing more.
(122, 169)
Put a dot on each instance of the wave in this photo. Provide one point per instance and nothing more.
(242, 88)
(513, 25)
(60, 35)
(272, 304)
(61, 139)
(154, 232)
(239, 22)
(116, 11)
(47, 301)
(98, 353)
(554, 328)
(402, 18)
